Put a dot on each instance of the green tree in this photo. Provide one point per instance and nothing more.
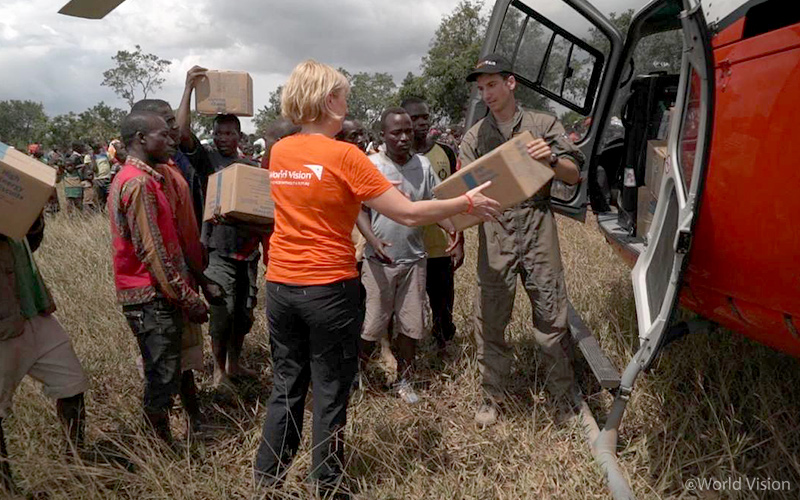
(135, 74)
(269, 113)
(412, 86)
(100, 123)
(22, 123)
(63, 130)
(453, 52)
(202, 125)
(370, 94)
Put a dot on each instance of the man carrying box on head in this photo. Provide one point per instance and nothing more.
(153, 281)
(523, 241)
(233, 251)
(32, 342)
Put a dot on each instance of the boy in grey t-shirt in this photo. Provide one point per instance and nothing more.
(394, 274)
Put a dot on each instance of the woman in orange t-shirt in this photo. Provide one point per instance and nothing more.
(318, 185)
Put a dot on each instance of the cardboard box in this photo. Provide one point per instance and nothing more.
(645, 210)
(240, 193)
(514, 174)
(655, 165)
(224, 92)
(25, 186)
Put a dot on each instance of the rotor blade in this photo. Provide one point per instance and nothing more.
(89, 9)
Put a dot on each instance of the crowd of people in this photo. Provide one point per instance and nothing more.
(360, 248)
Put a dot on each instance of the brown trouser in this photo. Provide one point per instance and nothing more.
(524, 242)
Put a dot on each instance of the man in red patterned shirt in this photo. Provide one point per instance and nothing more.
(153, 281)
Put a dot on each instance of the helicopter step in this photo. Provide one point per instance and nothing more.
(604, 371)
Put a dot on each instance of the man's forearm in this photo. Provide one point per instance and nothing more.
(364, 226)
(184, 119)
(566, 171)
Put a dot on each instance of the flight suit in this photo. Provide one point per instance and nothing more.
(523, 241)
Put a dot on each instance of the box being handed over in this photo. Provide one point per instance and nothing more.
(224, 92)
(25, 186)
(514, 174)
(240, 193)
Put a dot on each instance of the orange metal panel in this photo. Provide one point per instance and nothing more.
(732, 33)
(746, 246)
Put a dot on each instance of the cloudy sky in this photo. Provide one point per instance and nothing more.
(59, 60)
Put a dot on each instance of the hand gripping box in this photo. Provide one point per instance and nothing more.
(514, 174)
(225, 92)
(25, 186)
(240, 193)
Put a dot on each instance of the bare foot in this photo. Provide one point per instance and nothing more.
(221, 380)
(387, 360)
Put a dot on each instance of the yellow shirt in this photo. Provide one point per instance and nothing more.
(435, 237)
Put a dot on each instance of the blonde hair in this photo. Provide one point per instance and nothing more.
(303, 99)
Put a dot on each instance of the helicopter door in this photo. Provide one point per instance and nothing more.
(658, 270)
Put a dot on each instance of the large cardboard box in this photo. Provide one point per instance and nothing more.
(240, 193)
(225, 92)
(655, 165)
(25, 186)
(514, 174)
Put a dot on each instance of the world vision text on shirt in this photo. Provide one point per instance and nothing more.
(318, 185)
(293, 178)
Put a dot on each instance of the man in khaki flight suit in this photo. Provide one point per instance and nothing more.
(523, 241)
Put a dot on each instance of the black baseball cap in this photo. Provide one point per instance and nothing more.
(490, 65)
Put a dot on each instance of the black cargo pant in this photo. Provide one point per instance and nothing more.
(158, 326)
(440, 285)
(314, 334)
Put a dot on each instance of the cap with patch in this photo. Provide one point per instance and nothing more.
(490, 65)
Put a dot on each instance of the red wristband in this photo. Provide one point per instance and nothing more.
(471, 204)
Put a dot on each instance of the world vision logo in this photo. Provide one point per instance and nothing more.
(317, 169)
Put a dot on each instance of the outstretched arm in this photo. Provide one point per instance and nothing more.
(184, 110)
(400, 209)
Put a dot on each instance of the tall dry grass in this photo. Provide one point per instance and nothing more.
(714, 406)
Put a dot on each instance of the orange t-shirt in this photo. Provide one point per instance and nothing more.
(317, 185)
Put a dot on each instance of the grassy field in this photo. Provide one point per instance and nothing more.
(715, 406)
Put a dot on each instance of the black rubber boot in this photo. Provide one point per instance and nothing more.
(159, 422)
(189, 400)
(6, 481)
(72, 413)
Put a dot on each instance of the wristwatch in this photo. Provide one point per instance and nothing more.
(553, 160)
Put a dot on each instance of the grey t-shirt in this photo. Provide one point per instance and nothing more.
(417, 182)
